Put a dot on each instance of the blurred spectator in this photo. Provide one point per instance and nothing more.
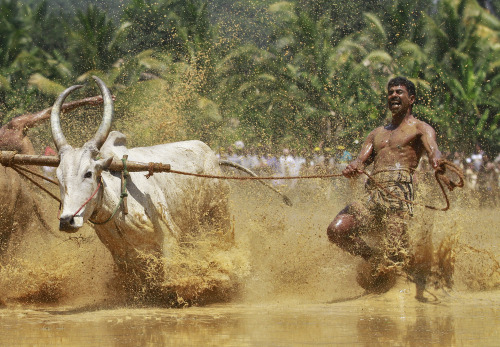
(288, 166)
(477, 158)
(250, 159)
(487, 182)
(458, 160)
(233, 156)
(470, 176)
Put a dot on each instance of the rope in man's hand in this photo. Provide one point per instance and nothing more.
(440, 175)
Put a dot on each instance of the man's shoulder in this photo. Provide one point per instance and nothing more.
(424, 126)
(377, 130)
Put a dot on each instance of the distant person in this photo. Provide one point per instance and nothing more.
(232, 156)
(477, 157)
(395, 151)
(288, 166)
(487, 182)
(343, 157)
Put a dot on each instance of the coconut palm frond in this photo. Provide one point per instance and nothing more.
(46, 86)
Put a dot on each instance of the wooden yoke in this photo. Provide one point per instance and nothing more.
(9, 158)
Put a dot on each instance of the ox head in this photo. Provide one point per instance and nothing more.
(80, 169)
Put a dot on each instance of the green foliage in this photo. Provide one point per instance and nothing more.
(92, 41)
(271, 72)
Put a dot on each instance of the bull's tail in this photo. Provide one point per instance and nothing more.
(286, 199)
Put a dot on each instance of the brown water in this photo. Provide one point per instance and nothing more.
(295, 289)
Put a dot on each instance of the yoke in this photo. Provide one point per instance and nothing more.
(10, 158)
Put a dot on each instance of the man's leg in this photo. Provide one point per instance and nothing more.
(396, 238)
(344, 232)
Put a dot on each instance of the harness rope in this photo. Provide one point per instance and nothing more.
(19, 170)
(123, 194)
(439, 174)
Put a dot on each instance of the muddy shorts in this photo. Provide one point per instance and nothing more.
(399, 183)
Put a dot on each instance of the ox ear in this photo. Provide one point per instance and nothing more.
(103, 164)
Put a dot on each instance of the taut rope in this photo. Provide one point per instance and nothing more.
(439, 174)
(19, 170)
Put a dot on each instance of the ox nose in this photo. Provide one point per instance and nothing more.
(69, 224)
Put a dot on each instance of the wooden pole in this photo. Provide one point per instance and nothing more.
(9, 158)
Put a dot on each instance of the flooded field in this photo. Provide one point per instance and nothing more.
(294, 287)
(460, 320)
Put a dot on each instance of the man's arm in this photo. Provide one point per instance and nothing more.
(430, 144)
(365, 157)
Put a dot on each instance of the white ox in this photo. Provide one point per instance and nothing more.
(161, 208)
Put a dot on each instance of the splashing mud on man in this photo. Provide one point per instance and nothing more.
(395, 151)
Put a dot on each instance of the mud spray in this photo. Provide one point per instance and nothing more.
(275, 277)
(274, 253)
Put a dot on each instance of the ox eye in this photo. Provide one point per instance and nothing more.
(88, 174)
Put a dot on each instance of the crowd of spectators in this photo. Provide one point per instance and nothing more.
(482, 173)
(287, 162)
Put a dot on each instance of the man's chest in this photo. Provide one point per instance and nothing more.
(399, 138)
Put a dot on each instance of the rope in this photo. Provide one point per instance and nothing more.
(123, 195)
(439, 174)
(36, 174)
(246, 178)
(88, 200)
(18, 170)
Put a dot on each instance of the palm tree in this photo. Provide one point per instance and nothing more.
(465, 68)
(93, 40)
(14, 35)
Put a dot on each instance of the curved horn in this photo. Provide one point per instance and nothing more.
(55, 120)
(105, 127)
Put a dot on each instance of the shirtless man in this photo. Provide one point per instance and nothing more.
(395, 151)
(13, 134)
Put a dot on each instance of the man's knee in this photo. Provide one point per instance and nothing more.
(341, 228)
(333, 233)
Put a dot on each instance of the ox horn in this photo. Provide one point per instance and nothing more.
(105, 127)
(55, 119)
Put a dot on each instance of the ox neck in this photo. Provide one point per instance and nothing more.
(102, 206)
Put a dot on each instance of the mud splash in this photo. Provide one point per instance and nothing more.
(294, 287)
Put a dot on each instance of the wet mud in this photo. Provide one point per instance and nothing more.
(280, 283)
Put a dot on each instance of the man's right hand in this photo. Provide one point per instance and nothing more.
(353, 169)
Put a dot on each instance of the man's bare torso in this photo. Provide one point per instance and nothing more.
(398, 147)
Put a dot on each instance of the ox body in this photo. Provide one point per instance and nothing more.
(18, 207)
(162, 209)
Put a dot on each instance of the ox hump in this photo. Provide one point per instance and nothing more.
(115, 139)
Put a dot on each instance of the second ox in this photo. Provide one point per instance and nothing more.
(161, 209)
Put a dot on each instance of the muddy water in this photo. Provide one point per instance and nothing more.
(457, 321)
(299, 290)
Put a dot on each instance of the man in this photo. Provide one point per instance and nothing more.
(395, 151)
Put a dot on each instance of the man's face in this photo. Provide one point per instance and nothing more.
(398, 99)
